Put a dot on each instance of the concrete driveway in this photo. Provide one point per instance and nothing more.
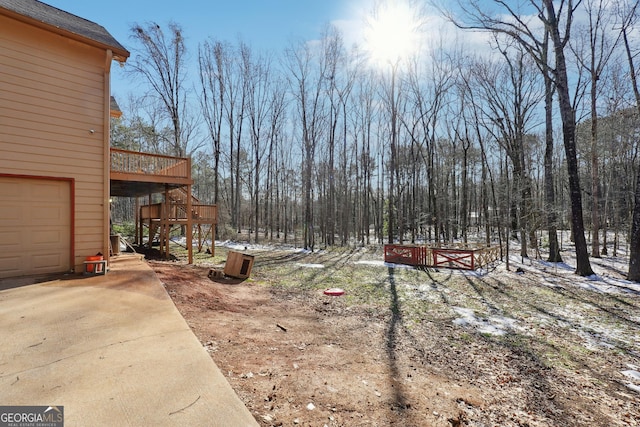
(113, 350)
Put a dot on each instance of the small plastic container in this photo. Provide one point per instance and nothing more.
(98, 266)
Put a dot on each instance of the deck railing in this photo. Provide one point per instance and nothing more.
(134, 162)
(463, 257)
(205, 214)
(408, 254)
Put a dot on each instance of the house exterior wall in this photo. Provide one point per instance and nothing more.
(54, 97)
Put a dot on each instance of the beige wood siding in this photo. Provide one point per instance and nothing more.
(44, 245)
(51, 99)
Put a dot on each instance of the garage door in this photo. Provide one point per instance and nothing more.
(35, 226)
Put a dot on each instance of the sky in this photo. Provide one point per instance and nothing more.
(269, 25)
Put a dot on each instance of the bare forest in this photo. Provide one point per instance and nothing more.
(316, 146)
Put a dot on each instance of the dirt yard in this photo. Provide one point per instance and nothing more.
(404, 347)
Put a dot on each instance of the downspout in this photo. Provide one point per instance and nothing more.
(106, 205)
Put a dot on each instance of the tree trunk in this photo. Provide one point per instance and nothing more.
(464, 216)
(583, 266)
(595, 178)
(554, 247)
(634, 240)
(393, 159)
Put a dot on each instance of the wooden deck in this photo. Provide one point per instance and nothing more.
(136, 174)
(139, 174)
(154, 167)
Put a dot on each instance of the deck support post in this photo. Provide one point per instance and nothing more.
(166, 228)
(189, 224)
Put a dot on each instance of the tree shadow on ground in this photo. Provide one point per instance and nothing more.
(395, 323)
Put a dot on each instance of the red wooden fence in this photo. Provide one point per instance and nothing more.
(424, 256)
(405, 254)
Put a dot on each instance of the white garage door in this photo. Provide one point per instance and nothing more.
(35, 226)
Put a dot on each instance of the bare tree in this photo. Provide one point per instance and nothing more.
(213, 97)
(345, 209)
(308, 85)
(391, 93)
(428, 91)
(224, 98)
(549, 187)
(479, 124)
(629, 16)
(160, 59)
(510, 93)
(277, 119)
(332, 51)
(593, 56)
(552, 24)
(364, 111)
(557, 20)
(258, 104)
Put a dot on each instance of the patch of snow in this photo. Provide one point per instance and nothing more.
(555, 266)
(594, 333)
(246, 246)
(634, 375)
(468, 317)
(608, 285)
(310, 265)
(594, 342)
(376, 263)
(180, 239)
(609, 277)
(494, 325)
(599, 283)
(633, 387)
(427, 288)
(236, 246)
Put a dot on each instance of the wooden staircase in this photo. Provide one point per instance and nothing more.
(174, 213)
(136, 174)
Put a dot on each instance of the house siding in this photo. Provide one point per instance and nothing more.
(52, 95)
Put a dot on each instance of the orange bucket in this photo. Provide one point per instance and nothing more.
(90, 266)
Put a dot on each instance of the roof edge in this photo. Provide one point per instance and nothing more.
(119, 53)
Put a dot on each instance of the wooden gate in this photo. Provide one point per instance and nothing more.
(424, 256)
(462, 259)
(407, 254)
